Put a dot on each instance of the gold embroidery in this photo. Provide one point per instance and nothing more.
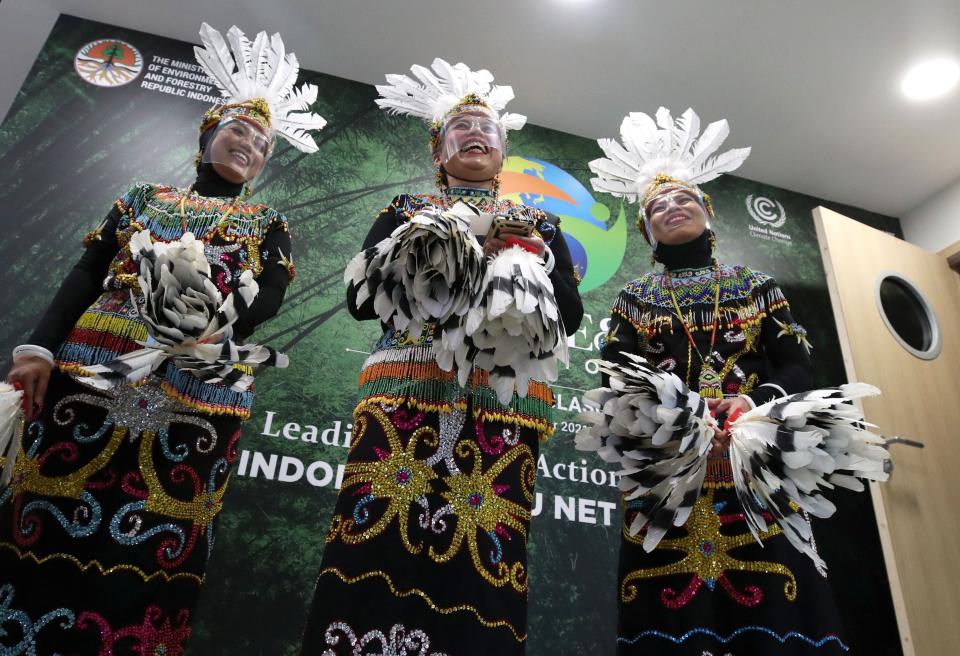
(27, 476)
(478, 507)
(703, 528)
(423, 595)
(399, 477)
(105, 571)
(201, 510)
(474, 499)
(750, 333)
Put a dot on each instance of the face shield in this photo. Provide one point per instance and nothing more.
(669, 198)
(474, 132)
(238, 149)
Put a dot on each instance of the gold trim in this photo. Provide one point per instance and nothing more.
(420, 593)
(104, 571)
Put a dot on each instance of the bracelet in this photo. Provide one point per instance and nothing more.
(549, 262)
(25, 351)
(776, 387)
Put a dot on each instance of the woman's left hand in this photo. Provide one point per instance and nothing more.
(725, 407)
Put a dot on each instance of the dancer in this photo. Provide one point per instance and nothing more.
(427, 548)
(136, 382)
(728, 333)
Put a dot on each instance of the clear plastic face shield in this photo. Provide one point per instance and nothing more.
(673, 206)
(238, 149)
(661, 204)
(471, 133)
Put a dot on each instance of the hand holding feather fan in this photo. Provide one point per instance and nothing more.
(498, 314)
(183, 310)
(784, 454)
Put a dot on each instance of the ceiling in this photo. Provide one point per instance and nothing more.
(812, 86)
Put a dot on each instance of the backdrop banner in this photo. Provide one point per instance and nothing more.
(105, 107)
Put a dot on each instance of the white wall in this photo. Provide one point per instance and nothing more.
(935, 223)
(24, 26)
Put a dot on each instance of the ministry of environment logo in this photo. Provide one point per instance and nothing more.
(766, 212)
(596, 241)
(108, 63)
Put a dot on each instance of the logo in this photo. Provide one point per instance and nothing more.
(766, 212)
(770, 215)
(596, 246)
(108, 63)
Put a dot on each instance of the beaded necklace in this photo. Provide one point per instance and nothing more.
(183, 214)
(475, 196)
(709, 382)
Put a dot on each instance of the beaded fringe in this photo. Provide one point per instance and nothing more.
(763, 299)
(411, 376)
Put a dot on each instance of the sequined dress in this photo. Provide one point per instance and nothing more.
(426, 552)
(108, 523)
(709, 588)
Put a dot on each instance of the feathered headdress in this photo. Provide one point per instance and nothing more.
(256, 81)
(434, 95)
(662, 153)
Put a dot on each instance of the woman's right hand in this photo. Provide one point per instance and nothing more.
(32, 375)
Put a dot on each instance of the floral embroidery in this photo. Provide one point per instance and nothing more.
(143, 413)
(474, 512)
(26, 627)
(156, 635)
(400, 641)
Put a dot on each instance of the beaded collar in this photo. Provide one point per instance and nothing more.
(484, 200)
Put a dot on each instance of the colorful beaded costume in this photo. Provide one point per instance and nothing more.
(709, 586)
(108, 522)
(428, 539)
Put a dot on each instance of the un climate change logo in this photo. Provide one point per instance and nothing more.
(108, 63)
(766, 212)
(596, 246)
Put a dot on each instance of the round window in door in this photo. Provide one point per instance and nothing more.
(908, 315)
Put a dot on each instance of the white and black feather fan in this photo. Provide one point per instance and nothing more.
(11, 419)
(184, 311)
(783, 454)
(515, 331)
(656, 432)
(430, 269)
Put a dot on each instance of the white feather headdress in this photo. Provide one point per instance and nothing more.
(431, 94)
(662, 147)
(260, 75)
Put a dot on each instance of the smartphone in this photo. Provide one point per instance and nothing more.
(511, 226)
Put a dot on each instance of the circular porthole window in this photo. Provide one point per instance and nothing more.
(908, 315)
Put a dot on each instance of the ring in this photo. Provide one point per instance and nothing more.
(17, 385)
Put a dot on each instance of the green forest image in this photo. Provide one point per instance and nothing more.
(69, 148)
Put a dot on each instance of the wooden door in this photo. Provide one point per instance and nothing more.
(917, 511)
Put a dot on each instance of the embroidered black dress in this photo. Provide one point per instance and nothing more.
(426, 553)
(709, 588)
(108, 523)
